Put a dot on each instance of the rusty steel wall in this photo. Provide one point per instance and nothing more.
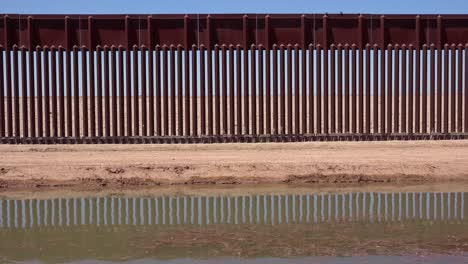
(232, 78)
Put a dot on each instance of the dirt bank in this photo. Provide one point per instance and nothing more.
(96, 166)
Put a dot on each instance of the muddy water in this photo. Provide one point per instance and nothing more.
(262, 225)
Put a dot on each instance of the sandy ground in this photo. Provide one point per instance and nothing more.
(96, 166)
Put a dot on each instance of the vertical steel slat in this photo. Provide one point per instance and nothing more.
(68, 83)
(404, 88)
(32, 94)
(144, 88)
(246, 74)
(151, 90)
(217, 91)
(424, 90)
(106, 92)
(187, 89)
(136, 92)
(383, 102)
(92, 89)
(346, 87)
(268, 77)
(172, 73)
(180, 105)
(275, 89)
(194, 92)
(311, 89)
(114, 90)
(231, 90)
(157, 58)
(84, 90)
(340, 89)
(296, 90)
(354, 89)
(452, 87)
(326, 87)
(282, 93)
(224, 89)
(410, 89)
(368, 89)
(239, 89)
(318, 76)
(8, 77)
(459, 88)
(2, 96)
(417, 94)
(165, 91)
(361, 86)
(432, 88)
(76, 97)
(439, 89)
(303, 88)
(128, 91)
(46, 94)
(332, 88)
(17, 129)
(39, 88)
(202, 91)
(121, 91)
(375, 97)
(389, 87)
(24, 91)
(260, 90)
(289, 91)
(446, 88)
(466, 89)
(396, 91)
(99, 90)
(210, 89)
(253, 90)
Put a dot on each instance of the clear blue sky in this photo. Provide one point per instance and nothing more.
(233, 6)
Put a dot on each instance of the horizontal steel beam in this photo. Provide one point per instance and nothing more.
(151, 30)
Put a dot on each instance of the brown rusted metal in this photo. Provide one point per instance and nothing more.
(275, 90)
(144, 88)
(452, 87)
(165, 93)
(368, 90)
(84, 91)
(261, 123)
(217, 92)
(224, 89)
(121, 93)
(340, 89)
(289, 92)
(396, 90)
(194, 94)
(202, 91)
(446, 88)
(432, 89)
(424, 90)
(106, 92)
(172, 73)
(113, 75)
(149, 83)
(231, 91)
(98, 88)
(282, 93)
(180, 105)
(332, 88)
(253, 89)
(346, 87)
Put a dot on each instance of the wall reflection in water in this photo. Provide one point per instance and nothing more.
(251, 209)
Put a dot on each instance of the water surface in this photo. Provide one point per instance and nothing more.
(261, 226)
